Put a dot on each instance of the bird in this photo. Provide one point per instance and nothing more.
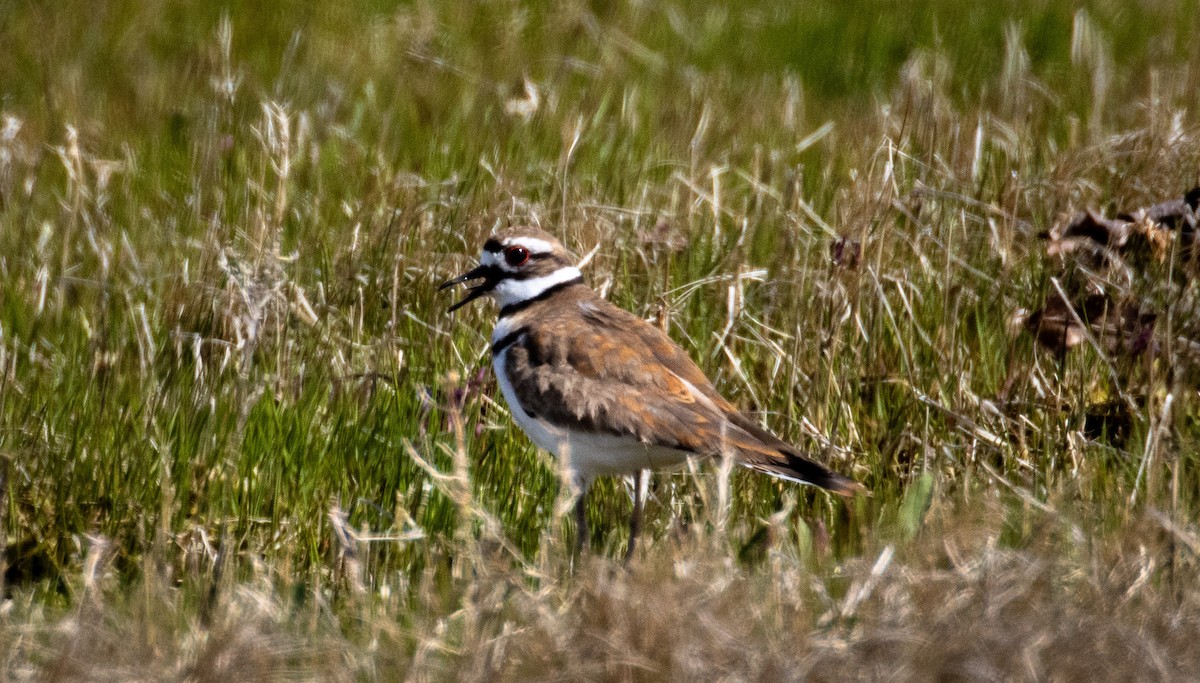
(604, 391)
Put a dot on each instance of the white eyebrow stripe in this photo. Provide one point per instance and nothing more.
(510, 291)
(533, 244)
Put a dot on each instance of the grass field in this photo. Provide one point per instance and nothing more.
(240, 438)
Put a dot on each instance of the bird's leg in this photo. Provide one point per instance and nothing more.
(581, 525)
(640, 483)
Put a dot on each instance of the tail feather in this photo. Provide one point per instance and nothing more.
(765, 452)
(794, 467)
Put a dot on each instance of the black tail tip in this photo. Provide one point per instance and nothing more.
(843, 486)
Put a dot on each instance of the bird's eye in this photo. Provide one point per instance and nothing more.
(516, 256)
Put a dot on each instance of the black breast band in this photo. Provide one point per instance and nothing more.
(545, 294)
(508, 340)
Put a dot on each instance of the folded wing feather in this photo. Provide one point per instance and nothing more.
(588, 375)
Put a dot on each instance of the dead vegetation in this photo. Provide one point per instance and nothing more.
(953, 603)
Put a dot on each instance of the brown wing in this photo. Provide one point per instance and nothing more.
(603, 368)
(599, 371)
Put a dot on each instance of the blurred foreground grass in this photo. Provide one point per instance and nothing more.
(240, 437)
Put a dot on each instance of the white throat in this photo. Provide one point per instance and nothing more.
(511, 291)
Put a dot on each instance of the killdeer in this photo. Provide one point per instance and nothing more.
(603, 390)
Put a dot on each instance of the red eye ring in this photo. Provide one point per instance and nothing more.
(516, 256)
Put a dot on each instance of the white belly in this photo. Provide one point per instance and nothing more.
(589, 454)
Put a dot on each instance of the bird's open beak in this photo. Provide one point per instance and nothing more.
(490, 276)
